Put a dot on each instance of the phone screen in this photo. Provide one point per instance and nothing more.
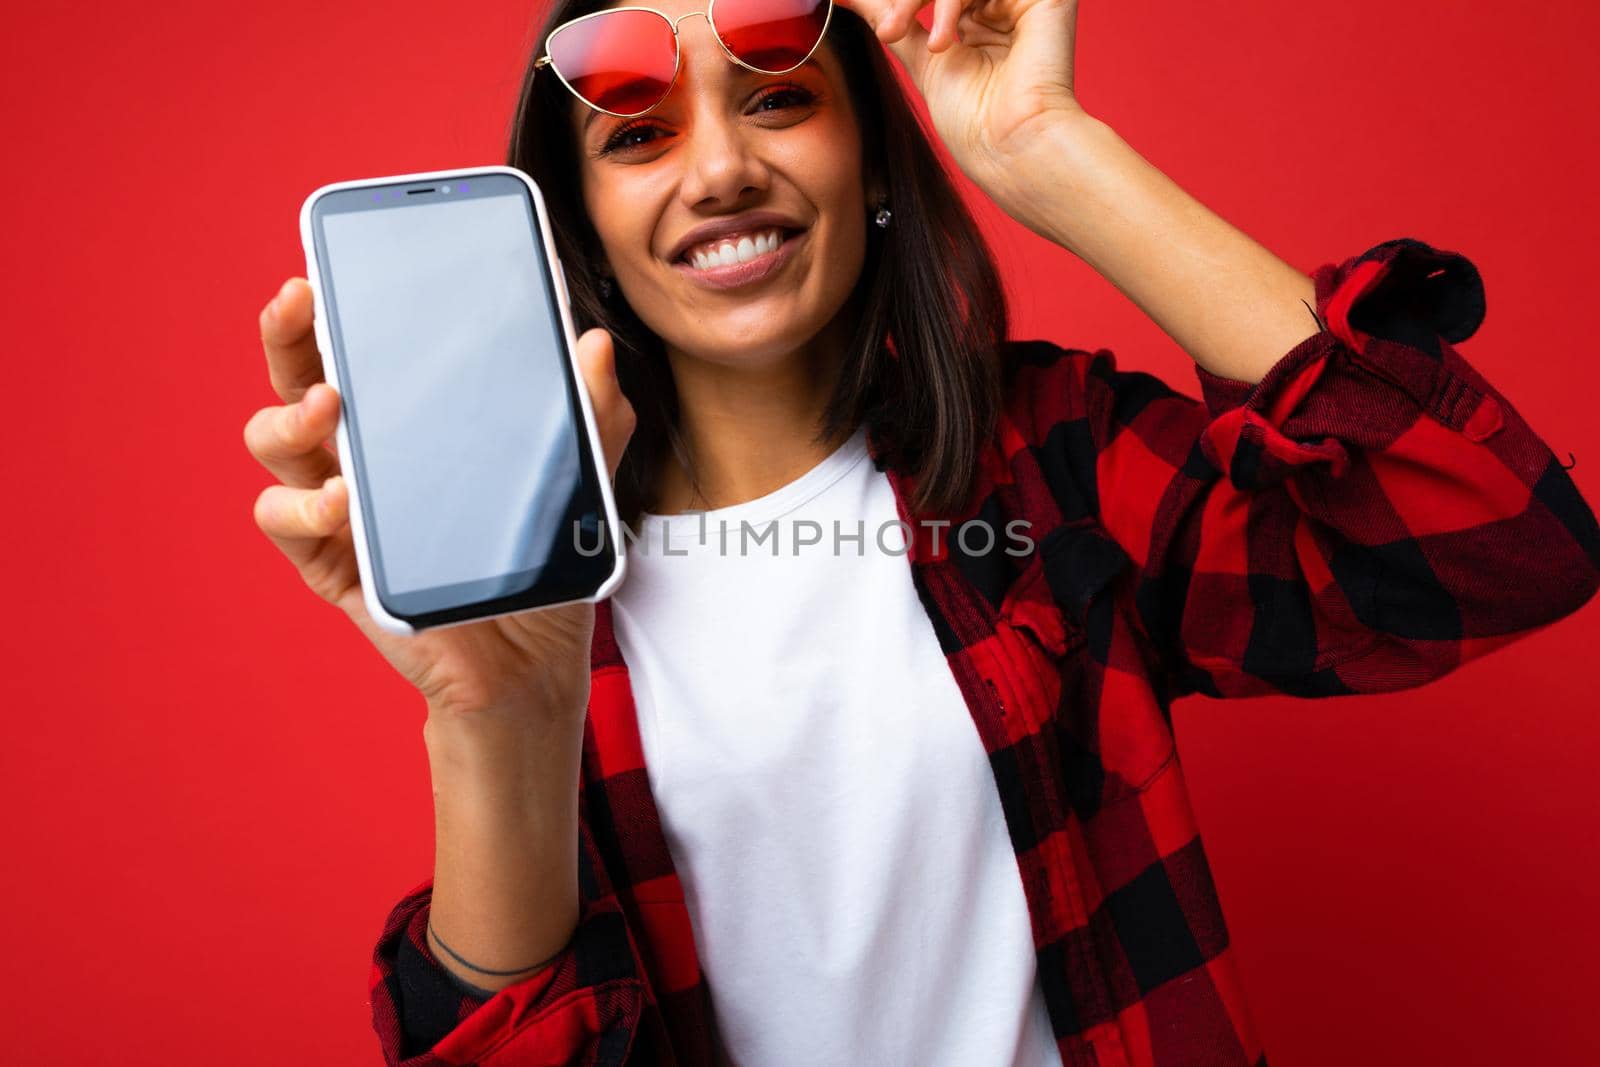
(478, 482)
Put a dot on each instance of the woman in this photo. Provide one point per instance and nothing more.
(789, 848)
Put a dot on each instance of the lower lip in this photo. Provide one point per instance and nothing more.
(734, 275)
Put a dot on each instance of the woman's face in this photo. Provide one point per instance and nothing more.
(733, 215)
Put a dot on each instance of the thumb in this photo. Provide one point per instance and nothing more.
(613, 414)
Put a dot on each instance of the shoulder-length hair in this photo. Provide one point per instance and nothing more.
(923, 368)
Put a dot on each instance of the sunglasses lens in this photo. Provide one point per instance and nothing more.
(619, 61)
(771, 35)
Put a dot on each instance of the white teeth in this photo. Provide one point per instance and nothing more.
(735, 250)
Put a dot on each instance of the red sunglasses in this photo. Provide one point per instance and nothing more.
(623, 60)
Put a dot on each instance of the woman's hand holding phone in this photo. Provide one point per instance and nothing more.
(506, 696)
(534, 660)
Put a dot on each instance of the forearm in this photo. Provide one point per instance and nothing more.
(1230, 303)
(505, 892)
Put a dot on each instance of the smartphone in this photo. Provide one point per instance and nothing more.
(476, 476)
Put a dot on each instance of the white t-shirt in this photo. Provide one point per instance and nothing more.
(826, 799)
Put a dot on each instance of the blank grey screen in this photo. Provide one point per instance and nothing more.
(459, 393)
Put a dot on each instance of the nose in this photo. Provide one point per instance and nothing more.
(688, 15)
(721, 166)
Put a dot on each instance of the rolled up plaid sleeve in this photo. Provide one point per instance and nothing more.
(1367, 517)
(582, 1008)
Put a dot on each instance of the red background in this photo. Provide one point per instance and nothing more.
(214, 789)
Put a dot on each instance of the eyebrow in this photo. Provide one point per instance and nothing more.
(810, 66)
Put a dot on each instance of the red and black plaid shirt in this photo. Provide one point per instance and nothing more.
(1364, 519)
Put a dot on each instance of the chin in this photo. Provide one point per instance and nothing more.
(738, 349)
(757, 333)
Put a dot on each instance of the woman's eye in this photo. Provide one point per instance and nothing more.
(786, 97)
(633, 136)
(636, 135)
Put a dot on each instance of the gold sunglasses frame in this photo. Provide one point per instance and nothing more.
(677, 51)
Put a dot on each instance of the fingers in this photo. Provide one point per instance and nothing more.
(612, 412)
(945, 30)
(970, 31)
(284, 512)
(903, 35)
(293, 362)
(898, 18)
(311, 528)
(307, 516)
(288, 440)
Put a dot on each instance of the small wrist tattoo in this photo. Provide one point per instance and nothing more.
(469, 965)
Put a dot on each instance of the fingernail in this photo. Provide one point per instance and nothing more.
(276, 304)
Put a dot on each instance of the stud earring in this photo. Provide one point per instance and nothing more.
(881, 219)
(605, 288)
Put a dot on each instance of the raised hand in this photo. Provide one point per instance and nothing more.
(991, 71)
(530, 663)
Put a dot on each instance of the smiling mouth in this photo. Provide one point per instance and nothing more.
(735, 249)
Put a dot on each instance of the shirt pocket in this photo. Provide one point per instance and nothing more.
(1030, 608)
(1078, 563)
(1061, 588)
(1114, 731)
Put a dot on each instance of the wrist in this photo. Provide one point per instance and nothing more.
(537, 700)
(1035, 175)
(475, 978)
(499, 758)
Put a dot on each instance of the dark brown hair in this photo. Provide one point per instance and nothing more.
(922, 371)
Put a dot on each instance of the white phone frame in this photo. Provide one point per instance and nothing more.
(330, 371)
